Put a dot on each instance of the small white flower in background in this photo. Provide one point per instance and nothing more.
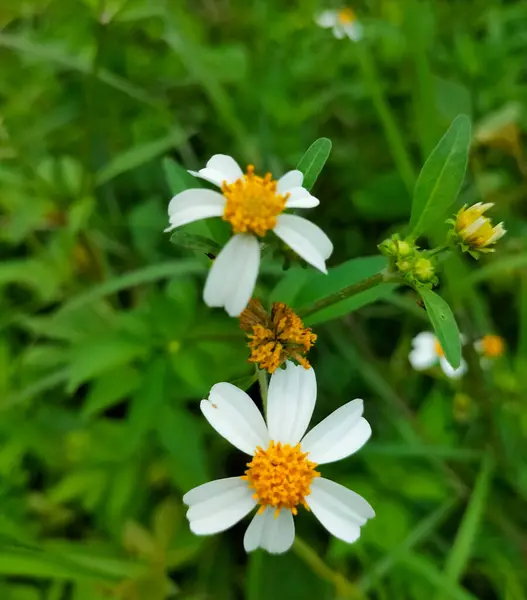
(253, 206)
(489, 347)
(343, 22)
(281, 475)
(427, 352)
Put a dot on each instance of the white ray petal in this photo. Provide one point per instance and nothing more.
(233, 275)
(194, 205)
(291, 179)
(340, 434)
(341, 511)
(290, 403)
(305, 238)
(274, 534)
(235, 416)
(219, 169)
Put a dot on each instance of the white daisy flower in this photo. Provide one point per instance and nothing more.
(343, 22)
(253, 206)
(427, 352)
(282, 472)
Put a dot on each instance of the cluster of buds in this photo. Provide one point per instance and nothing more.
(473, 232)
(415, 266)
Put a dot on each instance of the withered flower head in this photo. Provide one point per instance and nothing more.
(276, 337)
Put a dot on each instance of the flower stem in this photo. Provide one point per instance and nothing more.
(262, 382)
(344, 293)
(344, 588)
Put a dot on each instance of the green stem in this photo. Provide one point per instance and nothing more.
(262, 382)
(392, 133)
(344, 588)
(344, 293)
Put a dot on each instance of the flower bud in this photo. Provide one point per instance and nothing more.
(475, 232)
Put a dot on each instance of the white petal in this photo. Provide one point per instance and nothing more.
(291, 179)
(338, 31)
(499, 232)
(290, 402)
(353, 31)
(233, 274)
(301, 198)
(424, 353)
(449, 371)
(474, 226)
(327, 18)
(306, 239)
(479, 346)
(340, 434)
(424, 339)
(341, 511)
(276, 535)
(194, 205)
(224, 503)
(235, 416)
(220, 168)
(422, 358)
(215, 496)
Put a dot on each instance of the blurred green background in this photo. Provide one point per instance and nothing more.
(106, 347)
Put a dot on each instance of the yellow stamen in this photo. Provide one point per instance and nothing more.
(492, 346)
(439, 349)
(253, 203)
(277, 337)
(281, 477)
(346, 16)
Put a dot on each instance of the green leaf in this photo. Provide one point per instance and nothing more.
(198, 243)
(319, 286)
(180, 434)
(138, 155)
(441, 177)
(175, 268)
(178, 178)
(313, 161)
(147, 402)
(109, 389)
(444, 324)
(461, 551)
(101, 355)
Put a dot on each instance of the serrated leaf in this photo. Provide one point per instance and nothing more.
(441, 177)
(444, 324)
(313, 161)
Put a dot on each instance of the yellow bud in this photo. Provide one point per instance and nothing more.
(475, 230)
(424, 269)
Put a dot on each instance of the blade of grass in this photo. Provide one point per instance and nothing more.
(424, 528)
(459, 556)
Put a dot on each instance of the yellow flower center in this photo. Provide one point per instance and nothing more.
(492, 346)
(275, 338)
(346, 16)
(281, 477)
(253, 203)
(439, 350)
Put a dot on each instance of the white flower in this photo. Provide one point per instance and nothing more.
(253, 205)
(281, 474)
(427, 351)
(343, 22)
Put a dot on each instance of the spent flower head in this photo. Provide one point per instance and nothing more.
(282, 474)
(473, 231)
(276, 337)
(253, 205)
